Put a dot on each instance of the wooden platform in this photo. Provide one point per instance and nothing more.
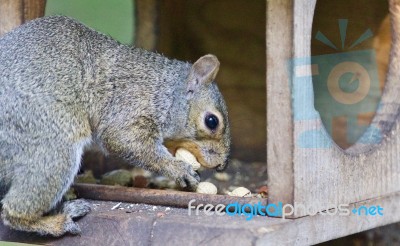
(143, 224)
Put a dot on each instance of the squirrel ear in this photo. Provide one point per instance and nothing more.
(203, 71)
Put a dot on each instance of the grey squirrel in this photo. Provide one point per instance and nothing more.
(64, 86)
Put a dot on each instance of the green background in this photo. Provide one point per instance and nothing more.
(114, 18)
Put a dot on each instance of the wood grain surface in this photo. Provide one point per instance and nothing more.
(16, 12)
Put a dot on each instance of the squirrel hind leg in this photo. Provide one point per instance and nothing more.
(54, 225)
(76, 208)
(39, 187)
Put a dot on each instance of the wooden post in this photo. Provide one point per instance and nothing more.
(146, 24)
(287, 38)
(16, 12)
(279, 116)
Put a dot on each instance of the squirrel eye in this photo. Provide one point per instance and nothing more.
(211, 121)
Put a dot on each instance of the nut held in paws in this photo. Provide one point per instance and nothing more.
(184, 155)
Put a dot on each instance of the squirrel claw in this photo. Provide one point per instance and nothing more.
(71, 227)
(196, 176)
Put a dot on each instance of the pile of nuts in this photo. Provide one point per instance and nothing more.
(141, 178)
(207, 187)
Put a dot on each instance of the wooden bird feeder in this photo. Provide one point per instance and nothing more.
(321, 176)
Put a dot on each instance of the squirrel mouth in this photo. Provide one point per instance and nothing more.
(193, 148)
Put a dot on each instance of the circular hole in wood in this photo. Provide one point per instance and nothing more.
(350, 48)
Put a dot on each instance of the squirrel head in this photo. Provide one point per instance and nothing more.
(206, 131)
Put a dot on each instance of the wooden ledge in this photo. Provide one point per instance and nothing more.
(141, 224)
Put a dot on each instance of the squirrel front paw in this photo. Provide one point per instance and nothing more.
(184, 175)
